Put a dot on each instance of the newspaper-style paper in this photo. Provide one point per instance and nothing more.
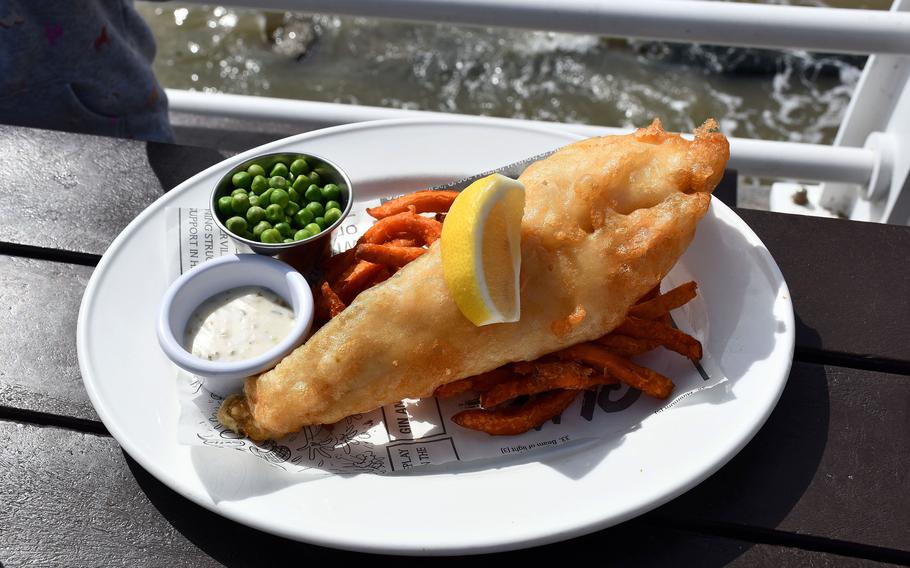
(411, 433)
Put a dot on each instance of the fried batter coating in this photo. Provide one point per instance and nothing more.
(605, 220)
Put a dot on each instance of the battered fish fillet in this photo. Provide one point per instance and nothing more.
(605, 220)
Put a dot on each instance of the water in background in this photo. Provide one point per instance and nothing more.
(794, 96)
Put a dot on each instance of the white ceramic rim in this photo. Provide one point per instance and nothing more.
(584, 523)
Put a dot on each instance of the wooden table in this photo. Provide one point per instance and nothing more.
(825, 482)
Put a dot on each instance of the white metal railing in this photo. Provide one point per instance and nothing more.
(873, 145)
(763, 158)
(834, 30)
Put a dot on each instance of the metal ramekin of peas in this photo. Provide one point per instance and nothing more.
(281, 199)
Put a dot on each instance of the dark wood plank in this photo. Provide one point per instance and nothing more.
(848, 281)
(77, 192)
(38, 366)
(86, 504)
(69, 500)
(832, 461)
(831, 445)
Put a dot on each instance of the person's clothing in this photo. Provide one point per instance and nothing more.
(80, 65)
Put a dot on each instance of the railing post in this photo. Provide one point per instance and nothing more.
(878, 116)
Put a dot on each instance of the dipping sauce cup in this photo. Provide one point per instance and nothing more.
(219, 275)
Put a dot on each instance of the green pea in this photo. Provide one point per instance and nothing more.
(291, 209)
(254, 200)
(248, 235)
(236, 225)
(271, 236)
(332, 205)
(259, 184)
(279, 169)
(331, 215)
(315, 208)
(238, 191)
(284, 229)
(242, 179)
(302, 234)
(303, 218)
(278, 181)
(279, 197)
(291, 177)
(240, 203)
(301, 182)
(260, 227)
(321, 222)
(274, 213)
(313, 193)
(293, 195)
(299, 166)
(255, 214)
(224, 206)
(331, 192)
(288, 240)
(264, 197)
(255, 170)
(314, 178)
(313, 228)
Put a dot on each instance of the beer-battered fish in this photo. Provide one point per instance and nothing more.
(605, 220)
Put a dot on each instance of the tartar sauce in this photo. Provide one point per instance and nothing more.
(238, 324)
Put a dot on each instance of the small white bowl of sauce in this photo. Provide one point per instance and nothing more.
(233, 317)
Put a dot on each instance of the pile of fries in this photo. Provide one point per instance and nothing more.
(518, 396)
(399, 235)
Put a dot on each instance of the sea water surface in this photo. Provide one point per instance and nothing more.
(792, 95)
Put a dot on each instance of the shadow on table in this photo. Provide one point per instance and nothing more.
(637, 542)
(761, 485)
(175, 164)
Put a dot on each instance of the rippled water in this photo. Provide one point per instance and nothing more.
(563, 77)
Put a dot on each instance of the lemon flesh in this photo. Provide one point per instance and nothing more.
(481, 250)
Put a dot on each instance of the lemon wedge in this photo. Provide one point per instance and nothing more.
(481, 250)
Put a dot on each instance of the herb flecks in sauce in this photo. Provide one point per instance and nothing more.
(238, 324)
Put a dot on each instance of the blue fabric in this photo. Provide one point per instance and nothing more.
(80, 65)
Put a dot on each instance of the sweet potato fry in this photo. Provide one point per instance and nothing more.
(335, 266)
(652, 293)
(363, 275)
(388, 255)
(648, 381)
(381, 276)
(428, 201)
(626, 346)
(668, 336)
(404, 243)
(332, 302)
(405, 224)
(566, 375)
(478, 383)
(662, 304)
(511, 420)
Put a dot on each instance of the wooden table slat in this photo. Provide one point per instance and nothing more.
(39, 369)
(81, 505)
(76, 192)
(832, 461)
(848, 281)
(829, 447)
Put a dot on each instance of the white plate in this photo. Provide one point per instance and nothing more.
(748, 328)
